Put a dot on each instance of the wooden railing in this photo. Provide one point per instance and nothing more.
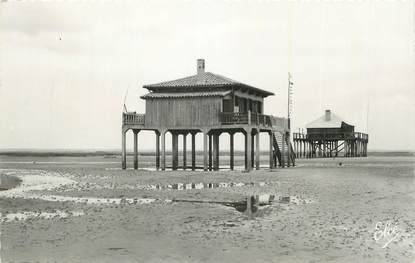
(228, 118)
(339, 136)
(279, 122)
(252, 118)
(133, 118)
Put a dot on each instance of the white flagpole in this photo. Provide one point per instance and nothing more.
(125, 97)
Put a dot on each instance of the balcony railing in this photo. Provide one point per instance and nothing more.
(228, 118)
(333, 136)
(252, 118)
(279, 122)
(132, 118)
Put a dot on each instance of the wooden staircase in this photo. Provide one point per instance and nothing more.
(283, 150)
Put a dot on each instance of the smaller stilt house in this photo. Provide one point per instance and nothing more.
(330, 136)
(210, 104)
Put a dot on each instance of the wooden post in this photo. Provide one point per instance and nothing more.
(231, 150)
(303, 152)
(302, 148)
(248, 149)
(163, 150)
(252, 150)
(287, 141)
(135, 149)
(296, 147)
(216, 151)
(184, 151)
(271, 150)
(205, 150)
(310, 149)
(193, 151)
(210, 152)
(348, 148)
(283, 154)
(354, 148)
(306, 149)
(157, 150)
(123, 150)
(257, 151)
(175, 150)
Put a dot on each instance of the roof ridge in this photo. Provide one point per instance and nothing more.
(203, 79)
(322, 121)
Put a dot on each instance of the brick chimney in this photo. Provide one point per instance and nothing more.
(200, 66)
(328, 115)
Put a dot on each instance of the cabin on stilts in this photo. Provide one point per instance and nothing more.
(330, 136)
(210, 104)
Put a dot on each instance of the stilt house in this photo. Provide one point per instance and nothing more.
(330, 136)
(210, 104)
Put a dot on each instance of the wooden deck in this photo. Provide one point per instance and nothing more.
(337, 144)
(225, 119)
(251, 124)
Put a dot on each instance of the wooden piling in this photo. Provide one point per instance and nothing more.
(231, 150)
(248, 147)
(157, 150)
(175, 151)
(163, 150)
(123, 151)
(216, 151)
(257, 151)
(135, 149)
(193, 151)
(184, 151)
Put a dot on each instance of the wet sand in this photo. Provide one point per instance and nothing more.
(333, 214)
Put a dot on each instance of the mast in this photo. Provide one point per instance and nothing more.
(289, 97)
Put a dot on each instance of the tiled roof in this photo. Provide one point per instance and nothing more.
(158, 95)
(334, 122)
(205, 79)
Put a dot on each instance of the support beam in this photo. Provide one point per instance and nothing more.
(287, 142)
(135, 149)
(157, 150)
(123, 150)
(252, 150)
(283, 153)
(257, 152)
(205, 150)
(163, 150)
(193, 151)
(271, 151)
(210, 152)
(248, 150)
(184, 151)
(231, 150)
(216, 151)
(175, 150)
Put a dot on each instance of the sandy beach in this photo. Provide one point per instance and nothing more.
(70, 211)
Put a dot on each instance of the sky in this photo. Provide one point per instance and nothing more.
(66, 67)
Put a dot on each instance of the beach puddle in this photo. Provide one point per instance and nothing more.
(8, 182)
(198, 186)
(37, 180)
(57, 214)
(255, 205)
(174, 187)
